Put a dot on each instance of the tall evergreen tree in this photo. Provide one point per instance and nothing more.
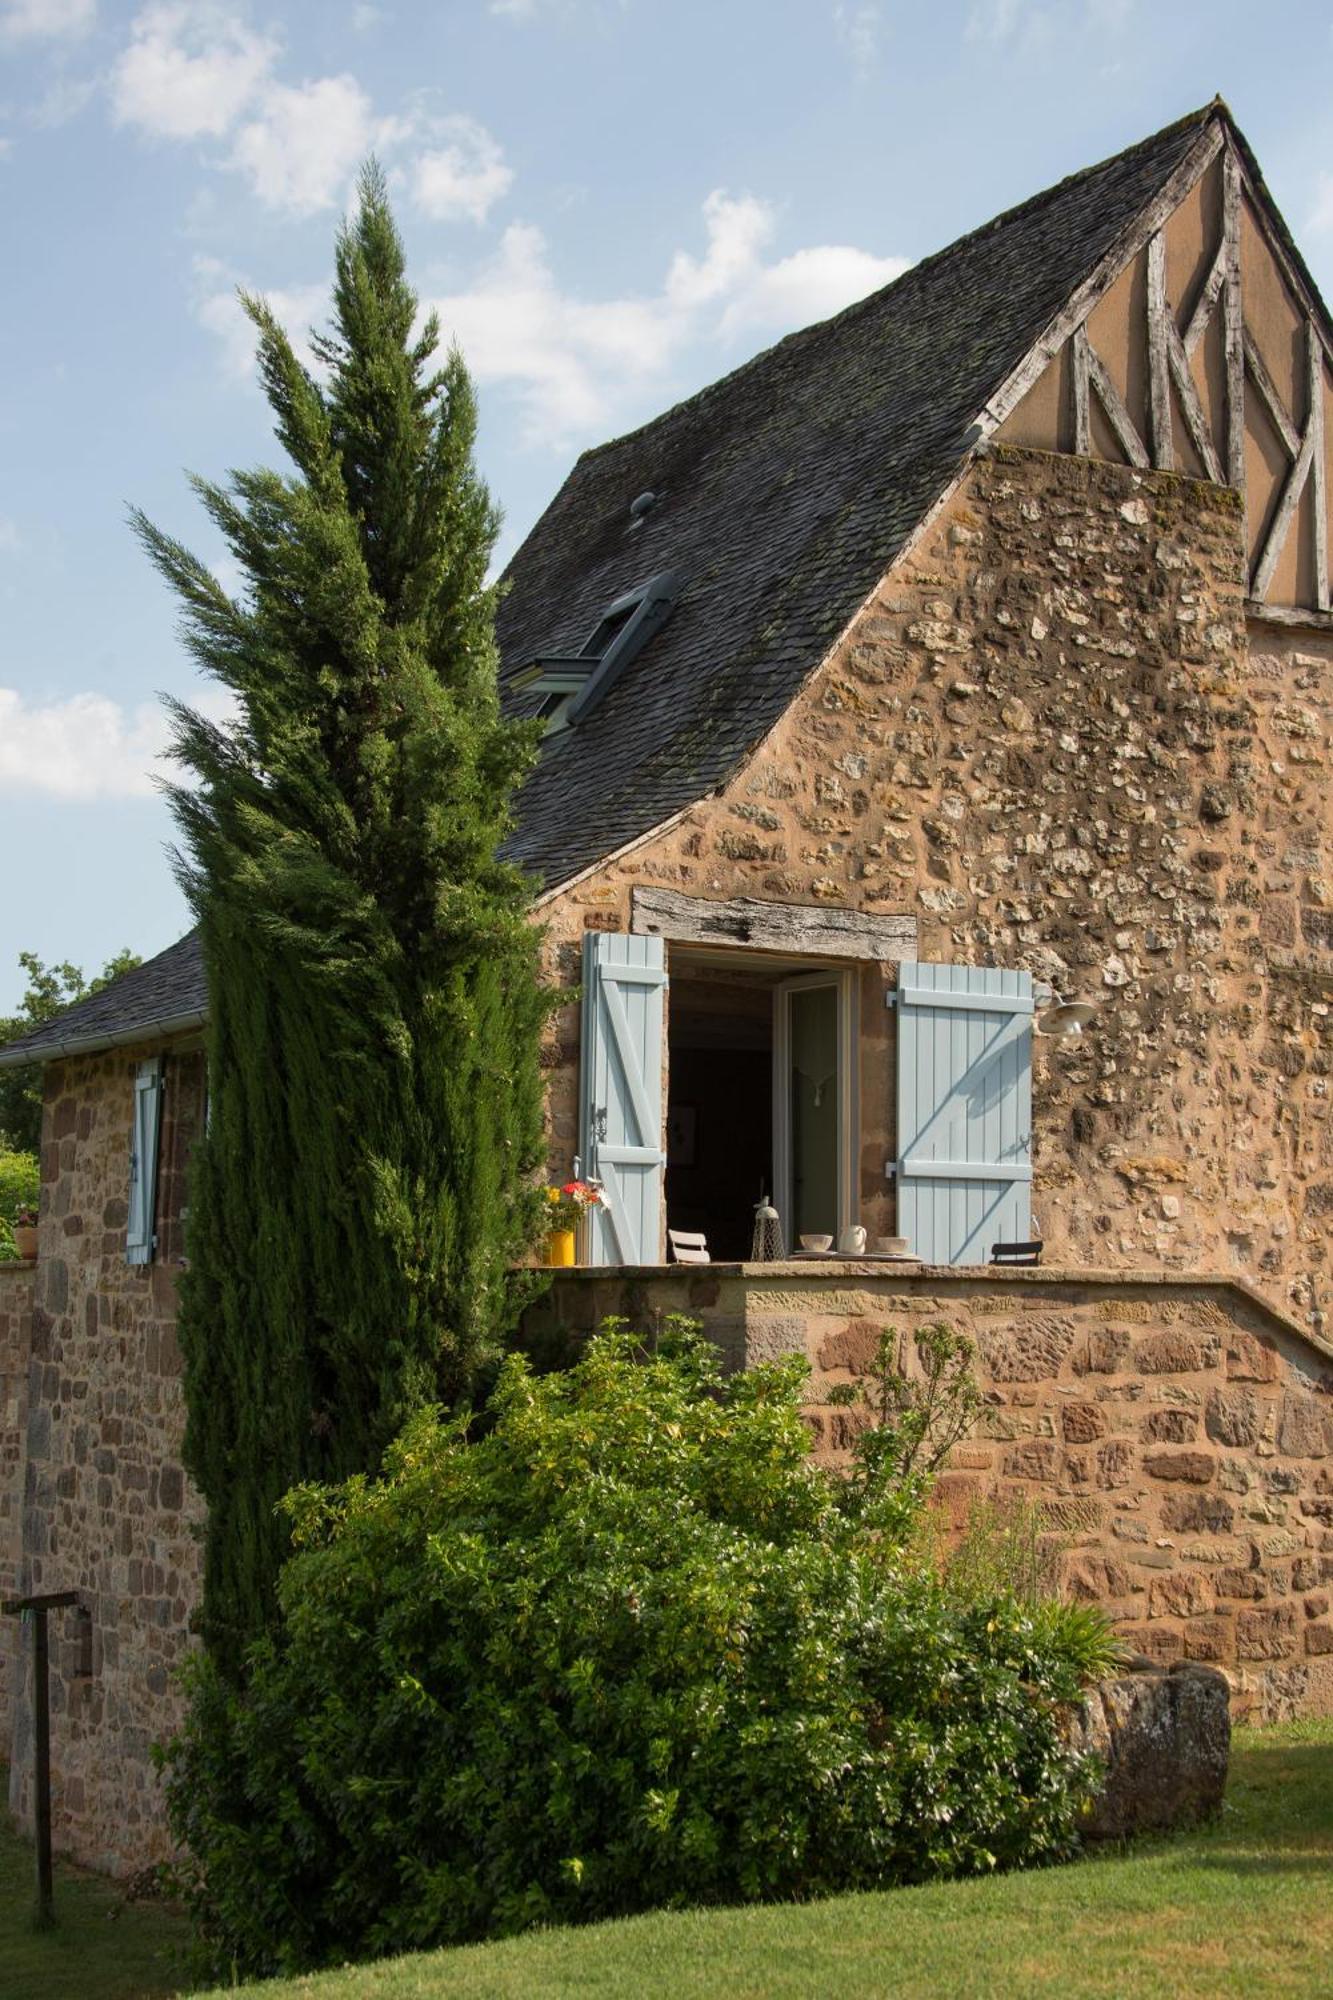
(375, 1004)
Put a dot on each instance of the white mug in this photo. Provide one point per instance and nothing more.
(853, 1240)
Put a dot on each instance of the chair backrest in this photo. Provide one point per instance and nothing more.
(688, 1246)
(1016, 1253)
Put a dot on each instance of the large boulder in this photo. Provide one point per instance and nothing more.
(1163, 1740)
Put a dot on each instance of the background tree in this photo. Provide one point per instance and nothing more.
(375, 1006)
(50, 987)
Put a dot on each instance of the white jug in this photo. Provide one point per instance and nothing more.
(852, 1242)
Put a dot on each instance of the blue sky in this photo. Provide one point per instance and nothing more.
(613, 201)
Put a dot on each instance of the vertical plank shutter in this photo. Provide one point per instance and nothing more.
(620, 1084)
(964, 1110)
(139, 1236)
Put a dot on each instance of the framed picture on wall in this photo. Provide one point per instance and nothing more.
(682, 1130)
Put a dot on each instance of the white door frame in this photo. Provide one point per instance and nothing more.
(845, 982)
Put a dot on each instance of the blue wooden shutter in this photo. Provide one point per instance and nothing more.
(964, 1110)
(620, 1086)
(139, 1236)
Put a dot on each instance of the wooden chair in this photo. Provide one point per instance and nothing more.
(688, 1246)
(1016, 1253)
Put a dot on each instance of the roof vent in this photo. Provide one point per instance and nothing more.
(642, 506)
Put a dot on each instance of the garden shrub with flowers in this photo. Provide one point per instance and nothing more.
(571, 1202)
(19, 1181)
(621, 1644)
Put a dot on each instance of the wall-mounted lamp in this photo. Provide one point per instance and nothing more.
(1065, 1020)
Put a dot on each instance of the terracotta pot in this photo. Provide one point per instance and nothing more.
(560, 1248)
(25, 1239)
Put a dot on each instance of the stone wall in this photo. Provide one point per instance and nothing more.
(1051, 738)
(109, 1512)
(16, 1281)
(1177, 1433)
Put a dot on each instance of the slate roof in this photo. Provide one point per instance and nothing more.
(165, 995)
(789, 487)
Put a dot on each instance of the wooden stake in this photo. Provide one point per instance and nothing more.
(36, 1608)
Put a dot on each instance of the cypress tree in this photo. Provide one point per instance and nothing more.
(375, 1004)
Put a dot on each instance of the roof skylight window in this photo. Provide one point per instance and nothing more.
(570, 684)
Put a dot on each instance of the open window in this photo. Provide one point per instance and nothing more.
(567, 685)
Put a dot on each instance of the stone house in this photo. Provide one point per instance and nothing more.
(964, 653)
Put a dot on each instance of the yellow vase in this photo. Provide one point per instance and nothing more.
(560, 1248)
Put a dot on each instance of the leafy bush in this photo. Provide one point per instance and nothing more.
(19, 1187)
(628, 1647)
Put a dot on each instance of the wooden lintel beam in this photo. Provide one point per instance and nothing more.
(805, 929)
(1159, 372)
(1116, 414)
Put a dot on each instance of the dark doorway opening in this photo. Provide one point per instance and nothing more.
(719, 1102)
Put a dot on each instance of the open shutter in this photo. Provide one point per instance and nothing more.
(964, 1110)
(139, 1237)
(624, 979)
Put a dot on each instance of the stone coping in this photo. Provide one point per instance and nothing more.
(25, 1264)
(912, 1276)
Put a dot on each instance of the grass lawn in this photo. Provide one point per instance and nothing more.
(102, 1948)
(1242, 1907)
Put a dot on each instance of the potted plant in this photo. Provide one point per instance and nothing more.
(25, 1230)
(569, 1204)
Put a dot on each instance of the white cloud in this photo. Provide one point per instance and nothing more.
(29, 20)
(10, 537)
(463, 177)
(809, 285)
(575, 364)
(219, 310)
(84, 747)
(88, 746)
(189, 71)
(193, 70)
(303, 146)
(858, 24)
(737, 226)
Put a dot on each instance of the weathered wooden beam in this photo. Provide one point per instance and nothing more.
(1298, 615)
(1127, 245)
(1282, 519)
(1233, 321)
(807, 929)
(1268, 395)
(1116, 414)
(1209, 294)
(1314, 424)
(1191, 408)
(1079, 377)
(1159, 373)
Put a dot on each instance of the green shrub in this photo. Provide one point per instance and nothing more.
(627, 1647)
(19, 1188)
